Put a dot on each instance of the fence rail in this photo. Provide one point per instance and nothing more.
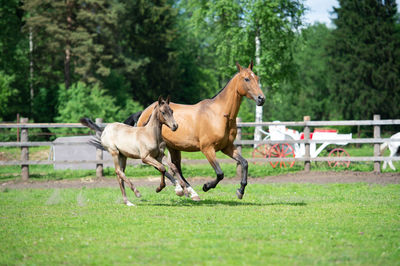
(306, 124)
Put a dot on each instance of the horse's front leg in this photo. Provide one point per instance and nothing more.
(209, 152)
(175, 166)
(178, 188)
(232, 152)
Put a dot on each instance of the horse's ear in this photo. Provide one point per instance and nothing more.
(168, 99)
(238, 67)
(251, 65)
(160, 99)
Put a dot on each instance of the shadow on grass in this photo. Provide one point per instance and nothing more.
(209, 202)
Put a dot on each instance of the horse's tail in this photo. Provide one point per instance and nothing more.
(133, 119)
(95, 140)
(382, 148)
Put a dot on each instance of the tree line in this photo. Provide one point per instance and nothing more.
(61, 60)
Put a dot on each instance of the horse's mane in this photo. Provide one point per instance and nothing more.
(223, 87)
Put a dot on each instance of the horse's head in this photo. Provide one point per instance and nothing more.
(166, 114)
(248, 84)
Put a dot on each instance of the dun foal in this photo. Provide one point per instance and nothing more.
(123, 141)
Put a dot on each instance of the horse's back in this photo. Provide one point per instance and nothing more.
(122, 138)
(197, 126)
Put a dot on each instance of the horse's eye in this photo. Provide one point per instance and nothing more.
(246, 79)
(163, 113)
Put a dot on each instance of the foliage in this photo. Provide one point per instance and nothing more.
(81, 100)
(306, 92)
(227, 30)
(13, 62)
(364, 58)
(73, 32)
(282, 224)
(6, 92)
(138, 50)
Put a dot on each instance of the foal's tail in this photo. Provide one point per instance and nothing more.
(95, 140)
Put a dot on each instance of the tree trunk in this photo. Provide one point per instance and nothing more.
(67, 61)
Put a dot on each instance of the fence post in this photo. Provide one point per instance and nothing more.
(239, 147)
(24, 151)
(377, 134)
(99, 155)
(307, 163)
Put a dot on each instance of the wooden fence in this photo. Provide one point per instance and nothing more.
(376, 125)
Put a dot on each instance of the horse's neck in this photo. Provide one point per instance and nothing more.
(154, 125)
(229, 99)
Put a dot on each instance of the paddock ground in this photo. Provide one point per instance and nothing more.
(313, 177)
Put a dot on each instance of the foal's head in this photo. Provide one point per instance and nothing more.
(248, 84)
(165, 114)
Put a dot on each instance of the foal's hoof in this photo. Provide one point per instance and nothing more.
(238, 194)
(205, 188)
(196, 198)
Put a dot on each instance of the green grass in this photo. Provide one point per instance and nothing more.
(302, 224)
(46, 172)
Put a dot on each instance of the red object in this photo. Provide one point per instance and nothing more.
(319, 130)
(302, 135)
(325, 130)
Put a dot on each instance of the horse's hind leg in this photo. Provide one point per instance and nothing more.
(118, 171)
(122, 163)
(175, 165)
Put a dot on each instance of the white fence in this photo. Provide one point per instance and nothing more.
(376, 125)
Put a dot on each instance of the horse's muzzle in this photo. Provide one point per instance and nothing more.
(260, 100)
(174, 127)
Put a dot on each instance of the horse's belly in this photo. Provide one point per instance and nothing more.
(181, 140)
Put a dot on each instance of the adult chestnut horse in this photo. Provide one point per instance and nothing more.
(210, 126)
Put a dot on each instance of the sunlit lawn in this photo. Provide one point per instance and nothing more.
(353, 224)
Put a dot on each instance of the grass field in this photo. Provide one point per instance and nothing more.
(353, 224)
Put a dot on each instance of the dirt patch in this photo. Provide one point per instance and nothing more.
(299, 177)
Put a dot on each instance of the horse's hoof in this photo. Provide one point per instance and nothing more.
(179, 193)
(239, 195)
(205, 188)
(158, 189)
(196, 198)
(186, 192)
(137, 194)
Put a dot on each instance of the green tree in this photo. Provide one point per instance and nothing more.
(307, 91)
(14, 64)
(147, 55)
(6, 92)
(228, 31)
(70, 37)
(365, 60)
(81, 100)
